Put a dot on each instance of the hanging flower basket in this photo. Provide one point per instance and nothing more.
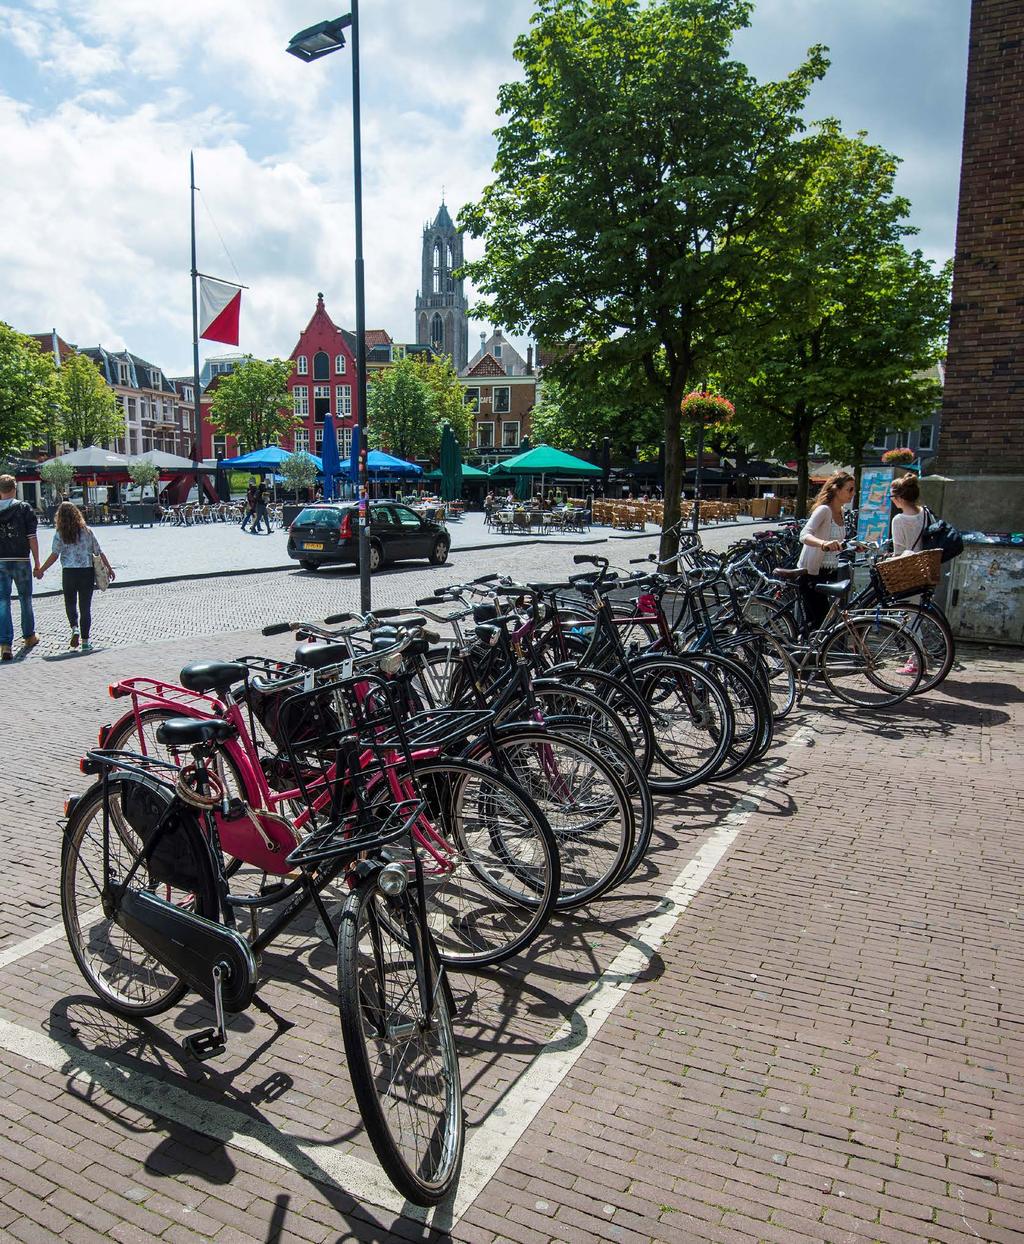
(898, 457)
(701, 407)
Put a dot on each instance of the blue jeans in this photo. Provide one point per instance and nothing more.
(19, 575)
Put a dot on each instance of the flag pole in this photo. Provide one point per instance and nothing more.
(197, 424)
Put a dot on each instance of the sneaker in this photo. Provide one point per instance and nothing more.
(910, 669)
(75, 639)
(31, 641)
(86, 646)
(5, 653)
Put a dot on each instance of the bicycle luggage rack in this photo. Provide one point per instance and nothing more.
(367, 830)
(430, 729)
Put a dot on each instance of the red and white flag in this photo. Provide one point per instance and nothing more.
(219, 305)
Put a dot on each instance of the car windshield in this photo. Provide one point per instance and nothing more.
(326, 517)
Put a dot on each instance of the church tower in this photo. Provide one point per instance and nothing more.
(442, 319)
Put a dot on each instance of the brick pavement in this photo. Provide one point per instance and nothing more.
(825, 1044)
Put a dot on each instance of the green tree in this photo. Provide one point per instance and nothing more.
(639, 178)
(89, 411)
(143, 474)
(401, 412)
(253, 404)
(58, 474)
(615, 404)
(29, 392)
(448, 395)
(299, 472)
(855, 319)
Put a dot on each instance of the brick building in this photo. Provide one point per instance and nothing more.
(983, 407)
(158, 415)
(502, 403)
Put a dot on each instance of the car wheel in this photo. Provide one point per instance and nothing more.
(439, 553)
(376, 557)
(312, 567)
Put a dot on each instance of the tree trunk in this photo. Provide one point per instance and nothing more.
(802, 444)
(674, 459)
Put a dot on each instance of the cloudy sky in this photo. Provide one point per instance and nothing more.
(102, 100)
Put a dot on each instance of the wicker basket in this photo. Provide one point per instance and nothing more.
(910, 574)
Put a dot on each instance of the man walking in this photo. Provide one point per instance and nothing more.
(262, 514)
(250, 505)
(19, 560)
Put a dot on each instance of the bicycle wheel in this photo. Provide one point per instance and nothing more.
(619, 697)
(932, 631)
(582, 799)
(116, 967)
(871, 662)
(691, 717)
(129, 735)
(490, 861)
(399, 1045)
(753, 729)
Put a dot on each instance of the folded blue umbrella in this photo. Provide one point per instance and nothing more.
(329, 454)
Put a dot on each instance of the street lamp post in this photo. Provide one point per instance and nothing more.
(310, 45)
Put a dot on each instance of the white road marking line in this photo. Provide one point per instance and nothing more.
(37, 941)
(488, 1145)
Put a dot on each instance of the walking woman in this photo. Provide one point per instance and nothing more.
(75, 545)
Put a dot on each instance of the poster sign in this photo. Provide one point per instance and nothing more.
(875, 505)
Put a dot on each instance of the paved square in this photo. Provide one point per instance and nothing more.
(800, 1020)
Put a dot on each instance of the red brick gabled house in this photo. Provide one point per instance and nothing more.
(502, 405)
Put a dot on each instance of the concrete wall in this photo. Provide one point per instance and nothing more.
(977, 503)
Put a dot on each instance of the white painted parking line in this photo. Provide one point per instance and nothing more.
(489, 1144)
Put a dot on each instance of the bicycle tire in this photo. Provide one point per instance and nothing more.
(115, 966)
(627, 705)
(500, 876)
(693, 733)
(399, 1083)
(753, 727)
(930, 627)
(871, 649)
(586, 805)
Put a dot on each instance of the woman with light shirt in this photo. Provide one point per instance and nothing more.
(822, 539)
(75, 545)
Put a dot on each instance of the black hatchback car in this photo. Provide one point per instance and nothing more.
(328, 534)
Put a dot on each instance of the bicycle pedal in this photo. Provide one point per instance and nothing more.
(206, 1044)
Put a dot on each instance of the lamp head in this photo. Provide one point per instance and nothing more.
(319, 40)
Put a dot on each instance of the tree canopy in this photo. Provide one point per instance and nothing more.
(640, 176)
(253, 404)
(90, 413)
(401, 411)
(855, 319)
(448, 395)
(29, 392)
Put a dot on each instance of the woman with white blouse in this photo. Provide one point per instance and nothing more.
(908, 524)
(822, 539)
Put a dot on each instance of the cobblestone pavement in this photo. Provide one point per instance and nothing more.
(165, 552)
(800, 1021)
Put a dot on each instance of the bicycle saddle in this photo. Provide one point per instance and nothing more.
(212, 675)
(797, 573)
(317, 656)
(834, 589)
(188, 731)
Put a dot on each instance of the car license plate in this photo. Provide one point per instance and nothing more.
(313, 546)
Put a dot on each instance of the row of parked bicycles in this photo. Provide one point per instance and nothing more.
(435, 785)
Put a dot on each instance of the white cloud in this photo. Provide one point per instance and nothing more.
(105, 98)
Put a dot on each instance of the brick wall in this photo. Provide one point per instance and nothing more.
(983, 405)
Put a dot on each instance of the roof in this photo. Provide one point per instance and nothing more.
(56, 344)
(487, 366)
(376, 337)
(546, 460)
(442, 220)
(140, 370)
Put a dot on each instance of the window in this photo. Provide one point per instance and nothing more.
(451, 257)
(300, 394)
(344, 443)
(924, 437)
(510, 435)
(339, 364)
(501, 400)
(154, 380)
(437, 332)
(879, 441)
(406, 518)
(497, 352)
(301, 438)
(123, 374)
(302, 365)
(220, 446)
(318, 441)
(473, 400)
(189, 394)
(321, 401)
(485, 436)
(321, 366)
(130, 409)
(437, 268)
(343, 402)
(903, 439)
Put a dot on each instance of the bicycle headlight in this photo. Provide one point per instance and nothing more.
(393, 879)
(391, 664)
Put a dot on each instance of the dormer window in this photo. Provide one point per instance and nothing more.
(497, 352)
(154, 380)
(123, 375)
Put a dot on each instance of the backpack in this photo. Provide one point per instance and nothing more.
(936, 533)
